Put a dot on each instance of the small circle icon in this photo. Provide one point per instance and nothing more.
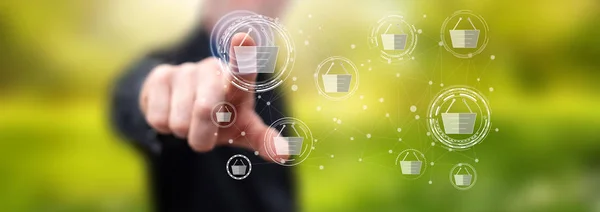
(291, 139)
(223, 114)
(394, 37)
(336, 78)
(464, 34)
(463, 176)
(459, 117)
(238, 167)
(412, 163)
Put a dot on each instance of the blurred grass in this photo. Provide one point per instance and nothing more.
(60, 59)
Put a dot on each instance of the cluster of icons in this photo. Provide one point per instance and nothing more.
(458, 117)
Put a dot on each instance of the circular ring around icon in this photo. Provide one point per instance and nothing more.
(463, 176)
(238, 167)
(336, 78)
(297, 145)
(463, 30)
(412, 163)
(395, 37)
(223, 114)
(459, 130)
(273, 45)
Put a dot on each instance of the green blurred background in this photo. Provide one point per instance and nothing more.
(60, 59)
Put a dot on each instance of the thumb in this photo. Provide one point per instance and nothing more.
(243, 57)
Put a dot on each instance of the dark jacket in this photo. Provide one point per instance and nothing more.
(183, 180)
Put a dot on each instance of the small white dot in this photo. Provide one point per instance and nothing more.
(428, 133)
(390, 151)
(432, 163)
(387, 115)
(269, 103)
(243, 133)
(352, 138)
(491, 89)
(259, 96)
(470, 55)
(430, 82)
(320, 28)
(478, 79)
(497, 129)
(368, 61)
(364, 107)
(352, 46)
(417, 117)
(294, 87)
(361, 97)
(476, 160)
(339, 121)
(432, 143)
(321, 167)
(231, 141)
(399, 139)
(430, 182)
(313, 148)
(381, 99)
(318, 108)
(360, 160)
(413, 108)
(306, 42)
(399, 129)
(332, 156)
(441, 84)
(441, 43)
(397, 74)
(282, 161)
(493, 57)
(255, 152)
(362, 64)
(419, 31)
(216, 134)
(369, 135)
(449, 150)
(309, 15)
(294, 78)
(334, 119)
(424, 15)
(316, 140)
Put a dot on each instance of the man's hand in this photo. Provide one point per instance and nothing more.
(179, 100)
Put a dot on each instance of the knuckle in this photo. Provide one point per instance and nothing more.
(161, 73)
(157, 121)
(179, 128)
(200, 146)
(202, 111)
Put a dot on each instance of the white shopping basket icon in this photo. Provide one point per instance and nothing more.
(393, 41)
(238, 169)
(459, 123)
(288, 145)
(336, 83)
(462, 179)
(462, 39)
(411, 167)
(223, 116)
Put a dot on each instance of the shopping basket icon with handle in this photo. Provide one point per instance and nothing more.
(462, 39)
(393, 41)
(411, 167)
(462, 179)
(288, 145)
(459, 123)
(238, 169)
(336, 83)
(223, 116)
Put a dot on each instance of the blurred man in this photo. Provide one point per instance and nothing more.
(164, 104)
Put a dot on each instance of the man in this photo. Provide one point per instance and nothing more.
(164, 103)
